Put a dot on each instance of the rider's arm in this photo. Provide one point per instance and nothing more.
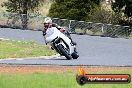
(56, 25)
(44, 31)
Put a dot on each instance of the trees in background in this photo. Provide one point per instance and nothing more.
(21, 7)
(87, 10)
(101, 15)
(72, 9)
(123, 6)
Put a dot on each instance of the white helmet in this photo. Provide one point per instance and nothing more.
(47, 20)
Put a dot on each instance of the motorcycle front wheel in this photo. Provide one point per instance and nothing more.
(75, 55)
(64, 52)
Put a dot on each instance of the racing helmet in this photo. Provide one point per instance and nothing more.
(47, 20)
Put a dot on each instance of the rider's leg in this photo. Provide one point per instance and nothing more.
(69, 36)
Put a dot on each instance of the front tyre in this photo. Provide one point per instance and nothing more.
(64, 52)
(75, 55)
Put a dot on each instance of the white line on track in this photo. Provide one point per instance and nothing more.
(41, 57)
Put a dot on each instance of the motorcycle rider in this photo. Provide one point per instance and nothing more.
(48, 24)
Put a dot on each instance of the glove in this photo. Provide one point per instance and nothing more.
(44, 33)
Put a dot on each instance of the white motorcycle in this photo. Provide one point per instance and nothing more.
(61, 43)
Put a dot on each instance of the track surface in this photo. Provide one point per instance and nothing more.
(93, 50)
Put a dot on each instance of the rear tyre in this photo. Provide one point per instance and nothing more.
(64, 52)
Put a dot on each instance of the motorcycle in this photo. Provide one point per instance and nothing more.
(61, 43)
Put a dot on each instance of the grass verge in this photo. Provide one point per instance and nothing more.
(66, 79)
(20, 49)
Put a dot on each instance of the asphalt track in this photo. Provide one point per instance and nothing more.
(93, 50)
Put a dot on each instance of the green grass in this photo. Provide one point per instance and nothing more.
(49, 80)
(19, 49)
